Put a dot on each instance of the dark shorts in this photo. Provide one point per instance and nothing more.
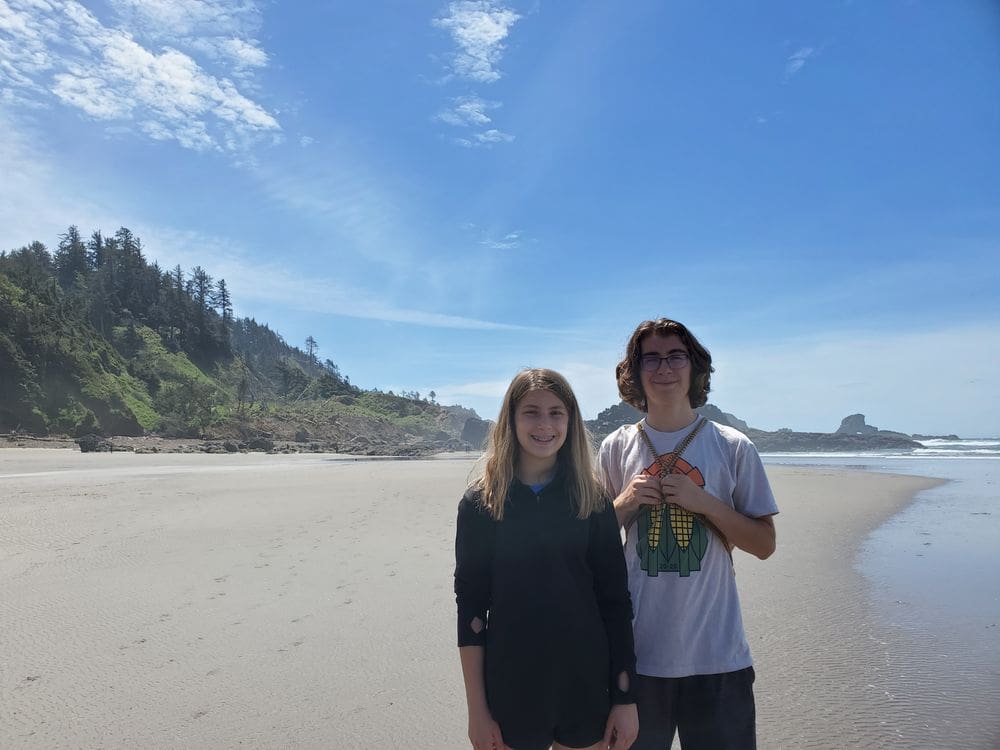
(708, 711)
(583, 734)
(577, 718)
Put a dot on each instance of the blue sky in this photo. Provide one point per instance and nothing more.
(442, 193)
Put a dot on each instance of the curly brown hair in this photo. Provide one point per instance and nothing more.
(628, 370)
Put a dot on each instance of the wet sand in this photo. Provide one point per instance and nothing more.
(176, 601)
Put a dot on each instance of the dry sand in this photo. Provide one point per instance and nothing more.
(187, 601)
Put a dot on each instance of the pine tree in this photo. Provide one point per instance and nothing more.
(71, 258)
(224, 304)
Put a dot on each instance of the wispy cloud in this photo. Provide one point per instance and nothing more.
(796, 61)
(508, 242)
(485, 139)
(62, 52)
(478, 28)
(275, 284)
(38, 199)
(222, 30)
(496, 239)
(468, 111)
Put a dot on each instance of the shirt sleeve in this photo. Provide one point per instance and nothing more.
(752, 495)
(608, 469)
(607, 562)
(473, 557)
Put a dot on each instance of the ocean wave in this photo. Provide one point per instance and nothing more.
(982, 443)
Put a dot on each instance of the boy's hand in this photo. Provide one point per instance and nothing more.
(641, 490)
(680, 490)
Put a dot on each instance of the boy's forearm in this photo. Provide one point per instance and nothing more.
(753, 535)
(625, 512)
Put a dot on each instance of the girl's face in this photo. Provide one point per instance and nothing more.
(541, 421)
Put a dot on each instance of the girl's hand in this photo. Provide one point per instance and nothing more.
(622, 727)
(484, 733)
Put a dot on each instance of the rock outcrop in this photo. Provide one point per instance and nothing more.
(854, 433)
(475, 432)
(854, 424)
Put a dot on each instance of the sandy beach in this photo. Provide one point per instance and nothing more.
(194, 601)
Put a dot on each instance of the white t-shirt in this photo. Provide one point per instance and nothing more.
(687, 610)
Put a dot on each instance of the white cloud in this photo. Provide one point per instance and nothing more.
(38, 200)
(797, 60)
(65, 51)
(466, 111)
(190, 19)
(478, 28)
(486, 139)
(507, 242)
(494, 136)
(244, 54)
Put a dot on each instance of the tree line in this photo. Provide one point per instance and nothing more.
(70, 317)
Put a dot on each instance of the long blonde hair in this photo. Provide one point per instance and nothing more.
(502, 452)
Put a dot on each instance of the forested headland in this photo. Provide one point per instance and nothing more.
(96, 340)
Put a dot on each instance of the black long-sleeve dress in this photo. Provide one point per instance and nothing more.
(550, 592)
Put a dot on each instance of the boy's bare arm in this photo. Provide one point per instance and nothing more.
(753, 535)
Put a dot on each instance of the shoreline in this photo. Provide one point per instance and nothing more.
(152, 444)
(179, 600)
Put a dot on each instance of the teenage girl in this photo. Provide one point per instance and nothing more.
(544, 614)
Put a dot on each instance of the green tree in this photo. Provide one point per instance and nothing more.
(71, 258)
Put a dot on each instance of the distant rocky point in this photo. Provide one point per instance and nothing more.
(854, 433)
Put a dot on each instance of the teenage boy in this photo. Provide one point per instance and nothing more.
(686, 490)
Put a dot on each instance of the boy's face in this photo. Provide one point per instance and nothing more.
(665, 385)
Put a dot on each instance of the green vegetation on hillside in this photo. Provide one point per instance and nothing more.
(94, 339)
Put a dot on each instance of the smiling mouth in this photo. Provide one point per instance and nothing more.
(543, 440)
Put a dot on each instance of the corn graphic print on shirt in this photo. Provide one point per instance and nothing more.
(671, 539)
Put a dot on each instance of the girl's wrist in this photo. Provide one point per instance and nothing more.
(478, 709)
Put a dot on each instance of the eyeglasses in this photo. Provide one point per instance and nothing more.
(674, 360)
